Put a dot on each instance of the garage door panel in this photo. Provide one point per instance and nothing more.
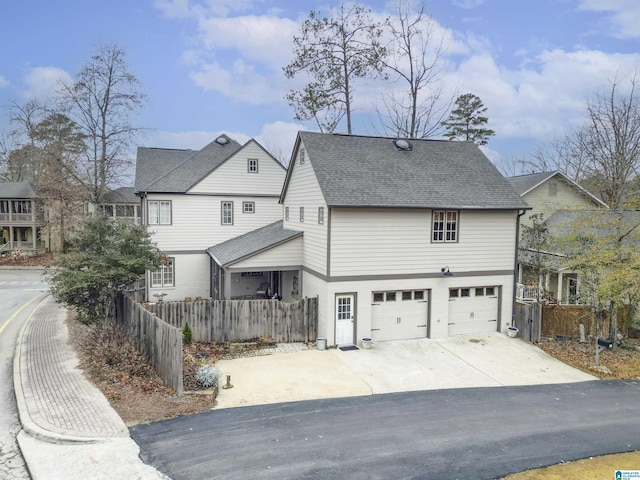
(473, 314)
(399, 319)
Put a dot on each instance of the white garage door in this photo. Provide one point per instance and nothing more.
(396, 315)
(473, 310)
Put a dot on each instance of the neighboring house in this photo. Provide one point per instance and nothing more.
(549, 193)
(559, 284)
(192, 200)
(119, 204)
(21, 218)
(398, 239)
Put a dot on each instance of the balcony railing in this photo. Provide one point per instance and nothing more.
(22, 218)
(528, 293)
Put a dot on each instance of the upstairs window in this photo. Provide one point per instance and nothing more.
(227, 213)
(301, 214)
(320, 215)
(445, 226)
(286, 213)
(553, 189)
(248, 207)
(302, 156)
(159, 212)
(252, 165)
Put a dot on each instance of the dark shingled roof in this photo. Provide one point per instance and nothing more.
(252, 243)
(176, 171)
(121, 195)
(523, 183)
(16, 190)
(358, 171)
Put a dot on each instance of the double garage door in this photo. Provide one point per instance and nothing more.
(401, 314)
(473, 310)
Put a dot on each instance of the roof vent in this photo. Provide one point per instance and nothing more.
(402, 144)
(222, 140)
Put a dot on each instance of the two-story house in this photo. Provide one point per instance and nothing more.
(118, 204)
(21, 218)
(397, 238)
(192, 200)
(551, 195)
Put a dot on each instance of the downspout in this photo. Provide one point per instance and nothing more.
(515, 268)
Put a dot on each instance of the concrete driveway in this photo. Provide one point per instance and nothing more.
(490, 360)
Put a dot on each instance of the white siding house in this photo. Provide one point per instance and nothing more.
(192, 200)
(397, 239)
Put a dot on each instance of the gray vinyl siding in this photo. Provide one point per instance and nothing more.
(395, 241)
(196, 220)
(288, 254)
(304, 191)
(232, 176)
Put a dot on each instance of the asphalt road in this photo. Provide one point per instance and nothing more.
(476, 433)
(19, 292)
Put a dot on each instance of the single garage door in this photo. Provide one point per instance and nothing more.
(397, 315)
(473, 310)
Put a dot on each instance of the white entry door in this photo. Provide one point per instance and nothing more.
(344, 319)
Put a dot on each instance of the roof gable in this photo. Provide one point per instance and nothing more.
(524, 184)
(358, 171)
(175, 171)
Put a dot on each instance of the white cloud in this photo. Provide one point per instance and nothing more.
(42, 83)
(624, 15)
(278, 138)
(3, 82)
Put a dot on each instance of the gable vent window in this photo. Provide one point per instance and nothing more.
(252, 165)
(301, 214)
(553, 189)
(302, 156)
(403, 145)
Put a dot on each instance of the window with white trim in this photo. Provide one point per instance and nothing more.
(164, 276)
(286, 213)
(302, 156)
(248, 207)
(320, 215)
(252, 165)
(301, 214)
(227, 213)
(159, 212)
(445, 226)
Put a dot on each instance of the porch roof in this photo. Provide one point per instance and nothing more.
(251, 243)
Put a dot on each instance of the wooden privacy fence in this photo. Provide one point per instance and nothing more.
(241, 320)
(160, 342)
(565, 320)
(527, 320)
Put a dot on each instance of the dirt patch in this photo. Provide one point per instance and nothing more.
(40, 260)
(128, 381)
(621, 363)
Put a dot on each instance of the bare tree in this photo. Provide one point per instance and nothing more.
(609, 143)
(414, 60)
(101, 101)
(334, 52)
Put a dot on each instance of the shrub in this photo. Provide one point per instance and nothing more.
(187, 337)
(208, 376)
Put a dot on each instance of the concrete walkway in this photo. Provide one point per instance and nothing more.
(71, 431)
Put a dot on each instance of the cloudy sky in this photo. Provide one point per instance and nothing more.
(211, 66)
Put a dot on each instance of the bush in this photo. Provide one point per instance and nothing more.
(187, 337)
(208, 376)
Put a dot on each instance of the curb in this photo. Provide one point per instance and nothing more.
(29, 426)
